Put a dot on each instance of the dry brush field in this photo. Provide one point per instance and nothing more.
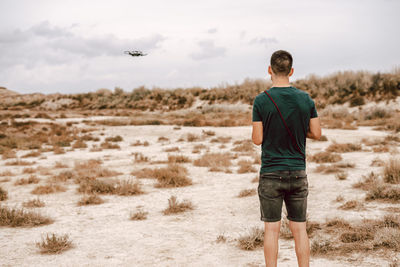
(103, 192)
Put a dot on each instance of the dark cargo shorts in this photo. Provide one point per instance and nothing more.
(290, 186)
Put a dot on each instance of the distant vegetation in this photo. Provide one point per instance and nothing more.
(338, 88)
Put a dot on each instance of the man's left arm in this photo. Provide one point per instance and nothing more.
(257, 134)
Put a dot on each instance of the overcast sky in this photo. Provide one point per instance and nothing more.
(51, 46)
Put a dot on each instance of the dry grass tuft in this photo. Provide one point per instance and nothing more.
(215, 161)
(59, 165)
(352, 205)
(90, 200)
(178, 159)
(53, 244)
(174, 175)
(172, 149)
(221, 238)
(325, 157)
(221, 139)
(321, 246)
(31, 180)
(115, 187)
(252, 240)
(139, 143)
(108, 145)
(246, 166)
(33, 203)
(28, 170)
(243, 146)
(19, 162)
(341, 175)
(79, 144)
(138, 215)
(48, 189)
(92, 169)
(3, 194)
(14, 217)
(139, 157)
(387, 237)
(192, 137)
(391, 171)
(63, 176)
(208, 133)
(343, 148)
(177, 207)
(247, 192)
(7, 173)
(117, 138)
(162, 139)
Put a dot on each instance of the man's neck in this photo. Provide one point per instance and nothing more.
(280, 82)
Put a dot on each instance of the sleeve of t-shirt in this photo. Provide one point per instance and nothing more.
(314, 113)
(256, 111)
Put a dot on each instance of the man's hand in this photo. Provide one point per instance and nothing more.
(314, 131)
(257, 135)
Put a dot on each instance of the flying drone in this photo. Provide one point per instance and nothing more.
(135, 53)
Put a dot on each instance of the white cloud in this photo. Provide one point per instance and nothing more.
(56, 45)
(208, 50)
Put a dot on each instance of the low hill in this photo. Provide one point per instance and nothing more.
(354, 88)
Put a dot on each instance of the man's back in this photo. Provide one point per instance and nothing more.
(297, 108)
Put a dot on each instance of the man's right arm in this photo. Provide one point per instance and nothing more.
(314, 130)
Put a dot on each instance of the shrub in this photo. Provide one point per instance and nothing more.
(33, 203)
(177, 207)
(391, 171)
(53, 244)
(14, 217)
(90, 200)
(252, 240)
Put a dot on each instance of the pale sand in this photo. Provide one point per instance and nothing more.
(103, 235)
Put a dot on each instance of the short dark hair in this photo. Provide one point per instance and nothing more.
(281, 62)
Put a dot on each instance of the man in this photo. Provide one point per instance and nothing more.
(283, 117)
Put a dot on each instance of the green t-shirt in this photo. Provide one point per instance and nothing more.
(278, 151)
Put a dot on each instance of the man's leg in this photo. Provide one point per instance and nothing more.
(271, 236)
(302, 244)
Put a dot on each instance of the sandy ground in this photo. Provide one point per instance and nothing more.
(103, 235)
